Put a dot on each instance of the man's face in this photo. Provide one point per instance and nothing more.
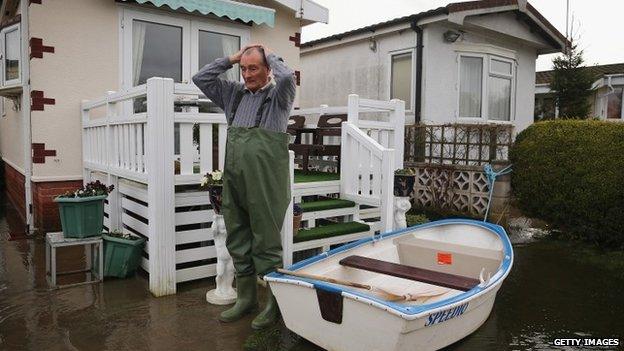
(255, 72)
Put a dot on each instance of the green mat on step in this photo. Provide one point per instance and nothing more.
(314, 176)
(329, 231)
(328, 204)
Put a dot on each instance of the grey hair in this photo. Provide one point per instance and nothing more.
(258, 49)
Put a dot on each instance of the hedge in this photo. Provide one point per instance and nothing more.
(571, 173)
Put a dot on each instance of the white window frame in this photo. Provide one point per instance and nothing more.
(3, 33)
(486, 74)
(412, 52)
(606, 110)
(191, 25)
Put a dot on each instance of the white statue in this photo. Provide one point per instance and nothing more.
(401, 206)
(224, 294)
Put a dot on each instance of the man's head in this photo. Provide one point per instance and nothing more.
(255, 68)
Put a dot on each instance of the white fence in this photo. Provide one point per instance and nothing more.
(156, 190)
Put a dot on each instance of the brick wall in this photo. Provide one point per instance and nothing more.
(46, 215)
(14, 182)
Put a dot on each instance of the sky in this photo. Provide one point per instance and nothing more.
(597, 23)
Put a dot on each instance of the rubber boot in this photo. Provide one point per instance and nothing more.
(246, 299)
(269, 315)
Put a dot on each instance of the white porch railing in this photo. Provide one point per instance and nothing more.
(136, 152)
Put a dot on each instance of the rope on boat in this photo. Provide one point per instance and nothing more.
(491, 175)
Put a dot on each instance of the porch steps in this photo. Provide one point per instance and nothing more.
(330, 231)
(315, 176)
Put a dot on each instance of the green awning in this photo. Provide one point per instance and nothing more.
(222, 8)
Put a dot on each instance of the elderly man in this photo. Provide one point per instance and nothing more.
(256, 189)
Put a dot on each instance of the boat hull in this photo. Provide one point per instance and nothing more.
(363, 327)
(342, 318)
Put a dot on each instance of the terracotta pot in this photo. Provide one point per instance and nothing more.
(297, 223)
(404, 185)
(214, 194)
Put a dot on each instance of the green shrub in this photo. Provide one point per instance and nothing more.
(571, 174)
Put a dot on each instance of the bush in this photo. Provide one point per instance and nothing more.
(571, 174)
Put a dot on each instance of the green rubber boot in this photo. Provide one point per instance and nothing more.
(269, 315)
(246, 300)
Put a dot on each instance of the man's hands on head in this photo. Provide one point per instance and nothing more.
(234, 59)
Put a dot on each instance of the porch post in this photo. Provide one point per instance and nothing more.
(160, 188)
(398, 119)
(287, 227)
(114, 200)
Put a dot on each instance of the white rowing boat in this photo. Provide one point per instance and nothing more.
(449, 270)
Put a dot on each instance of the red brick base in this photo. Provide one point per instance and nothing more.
(14, 182)
(45, 210)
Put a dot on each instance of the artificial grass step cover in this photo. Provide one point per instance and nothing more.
(329, 231)
(315, 176)
(327, 204)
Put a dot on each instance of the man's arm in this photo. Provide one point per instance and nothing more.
(284, 80)
(216, 89)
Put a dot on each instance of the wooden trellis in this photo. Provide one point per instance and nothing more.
(458, 144)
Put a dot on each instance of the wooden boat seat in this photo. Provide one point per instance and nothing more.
(446, 280)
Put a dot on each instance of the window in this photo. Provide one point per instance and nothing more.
(486, 87)
(401, 78)
(614, 104)
(156, 44)
(11, 55)
(160, 44)
(156, 51)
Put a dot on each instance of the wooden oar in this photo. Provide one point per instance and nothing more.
(386, 295)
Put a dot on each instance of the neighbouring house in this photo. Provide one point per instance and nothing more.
(468, 62)
(606, 100)
(56, 54)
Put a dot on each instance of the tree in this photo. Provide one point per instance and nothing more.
(572, 84)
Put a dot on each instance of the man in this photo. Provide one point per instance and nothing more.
(256, 190)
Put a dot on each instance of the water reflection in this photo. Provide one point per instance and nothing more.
(552, 292)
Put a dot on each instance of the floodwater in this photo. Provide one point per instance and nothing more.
(551, 293)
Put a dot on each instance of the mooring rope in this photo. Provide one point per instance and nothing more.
(491, 175)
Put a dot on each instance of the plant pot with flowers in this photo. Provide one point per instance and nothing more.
(404, 180)
(122, 253)
(297, 216)
(82, 211)
(213, 182)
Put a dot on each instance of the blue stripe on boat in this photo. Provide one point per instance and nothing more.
(402, 308)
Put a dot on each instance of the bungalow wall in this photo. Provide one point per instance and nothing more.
(83, 61)
(332, 70)
(441, 74)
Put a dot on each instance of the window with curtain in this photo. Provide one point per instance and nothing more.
(470, 86)
(157, 51)
(497, 84)
(499, 90)
(401, 78)
(11, 54)
(614, 104)
(212, 46)
(215, 45)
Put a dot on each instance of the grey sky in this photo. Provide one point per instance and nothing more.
(597, 22)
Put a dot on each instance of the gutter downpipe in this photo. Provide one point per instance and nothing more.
(27, 135)
(419, 65)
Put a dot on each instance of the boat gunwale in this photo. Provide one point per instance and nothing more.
(401, 310)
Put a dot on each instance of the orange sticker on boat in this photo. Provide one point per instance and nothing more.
(445, 258)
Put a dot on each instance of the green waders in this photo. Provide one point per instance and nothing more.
(256, 193)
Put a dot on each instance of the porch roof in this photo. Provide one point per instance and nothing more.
(223, 8)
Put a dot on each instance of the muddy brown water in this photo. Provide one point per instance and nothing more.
(549, 294)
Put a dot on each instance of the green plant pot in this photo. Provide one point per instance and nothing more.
(121, 256)
(81, 216)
